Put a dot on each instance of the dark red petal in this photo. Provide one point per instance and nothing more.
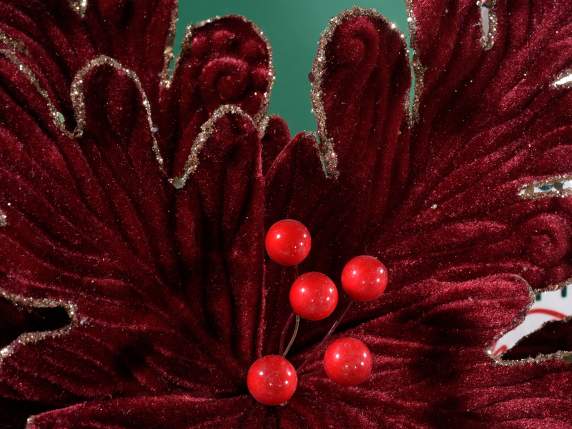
(470, 314)
(169, 411)
(489, 123)
(223, 61)
(139, 34)
(135, 33)
(342, 187)
(475, 102)
(429, 342)
(276, 137)
(296, 188)
(219, 221)
(85, 227)
(360, 81)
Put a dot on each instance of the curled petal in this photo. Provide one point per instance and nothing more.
(360, 83)
(223, 61)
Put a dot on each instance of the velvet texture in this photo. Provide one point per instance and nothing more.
(173, 295)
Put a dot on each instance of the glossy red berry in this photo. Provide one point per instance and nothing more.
(313, 296)
(272, 380)
(348, 361)
(364, 278)
(288, 242)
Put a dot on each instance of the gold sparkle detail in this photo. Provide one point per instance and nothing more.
(416, 65)
(12, 44)
(35, 337)
(168, 52)
(78, 97)
(325, 143)
(79, 6)
(207, 130)
(263, 125)
(55, 114)
(186, 49)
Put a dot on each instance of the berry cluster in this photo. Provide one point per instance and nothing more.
(272, 379)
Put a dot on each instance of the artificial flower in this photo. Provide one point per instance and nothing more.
(136, 290)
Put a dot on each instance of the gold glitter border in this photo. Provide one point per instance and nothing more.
(78, 102)
(13, 44)
(207, 130)
(186, 49)
(416, 65)
(168, 52)
(78, 97)
(35, 337)
(263, 125)
(79, 7)
(57, 117)
(327, 152)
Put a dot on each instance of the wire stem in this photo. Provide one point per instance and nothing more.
(330, 332)
(294, 335)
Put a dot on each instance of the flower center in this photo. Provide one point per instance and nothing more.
(272, 379)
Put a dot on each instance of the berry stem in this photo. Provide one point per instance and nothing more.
(330, 332)
(288, 322)
(293, 338)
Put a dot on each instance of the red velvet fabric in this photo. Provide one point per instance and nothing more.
(173, 295)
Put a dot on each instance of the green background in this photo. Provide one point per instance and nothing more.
(293, 27)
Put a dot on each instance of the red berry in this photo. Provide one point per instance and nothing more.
(288, 242)
(364, 278)
(313, 296)
(272, 380)
(348, 361)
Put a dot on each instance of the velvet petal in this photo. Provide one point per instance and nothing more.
(63, 36)
(490, 121)
(219, 221)
(360, 81)
(431, 369)
(75, 235)
(159, 412)
(360, 89)
(223, 61)
(276, 137)
(343, 185)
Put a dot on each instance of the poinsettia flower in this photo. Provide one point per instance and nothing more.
(136, 292)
